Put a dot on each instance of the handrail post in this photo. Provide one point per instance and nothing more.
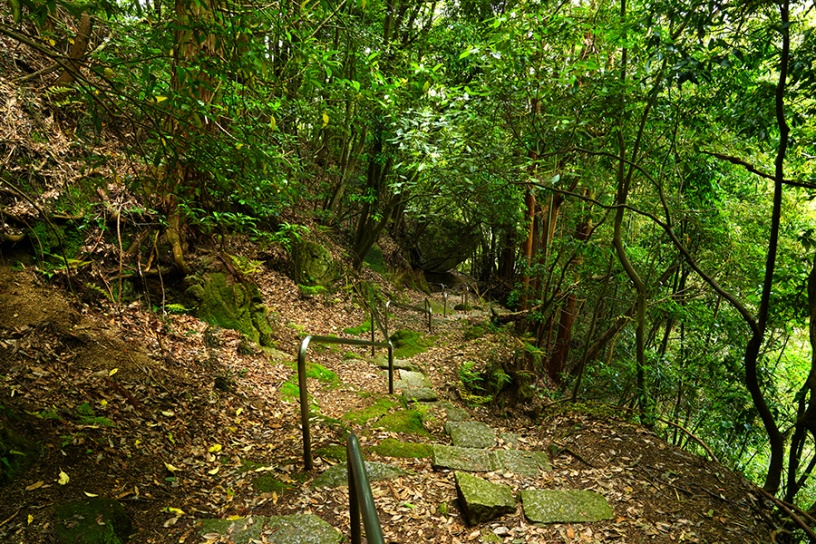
(445, 296)
(390, 367)
(304, 394)
(360, 497)
(304, 404)
(354, 501)
(371, 307)
(429, 311)
(387, 304)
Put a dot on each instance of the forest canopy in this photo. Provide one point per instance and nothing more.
(634, 179)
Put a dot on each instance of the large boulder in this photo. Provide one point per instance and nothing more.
(443, 244)
(222, 301)
(314, 265)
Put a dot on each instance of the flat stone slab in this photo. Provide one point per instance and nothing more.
(399, 364)
(524, 463)
(411, 379)
(470, 459)
(421, 394)
(572, 506)
(337, 475)
(481, 500)
(454, 413)
(471, 434)
(294, 529)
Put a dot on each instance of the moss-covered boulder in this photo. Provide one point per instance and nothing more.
(313, 264)
(443, 243)
(223, 301)
(91, 521)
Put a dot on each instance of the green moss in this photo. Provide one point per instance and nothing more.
(475, 331)
(359, 417)
(234, 305)
(289, 391)
(408, 343)
(267, 483)
(318, 372)
(404, 421)
(391, 447)
(312, 290)
(332, 451)
(362, 328)
(349, 355)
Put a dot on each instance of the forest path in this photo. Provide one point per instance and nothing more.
(180, 423)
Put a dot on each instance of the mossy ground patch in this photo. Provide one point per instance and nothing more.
(404, 421)
(408, 343)
(391, 447)
(380, 408)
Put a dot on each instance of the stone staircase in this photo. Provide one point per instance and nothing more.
(475, 448)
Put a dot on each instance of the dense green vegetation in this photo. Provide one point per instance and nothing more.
(634, 179)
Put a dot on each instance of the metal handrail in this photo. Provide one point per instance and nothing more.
(360, 496)
(425, 309)
(304, 397)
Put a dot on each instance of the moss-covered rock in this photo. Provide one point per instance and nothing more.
(471, 434)
(292, 529)
(222, 301)
(91, 521)
(313, 265)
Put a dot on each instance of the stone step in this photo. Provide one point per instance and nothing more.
(523, 463)
(293, 529)
(481, 500)
(337, 475)
(471, 434)
(567, 506)
(412, 379)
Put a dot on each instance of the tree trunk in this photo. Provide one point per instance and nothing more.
(77, 51)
